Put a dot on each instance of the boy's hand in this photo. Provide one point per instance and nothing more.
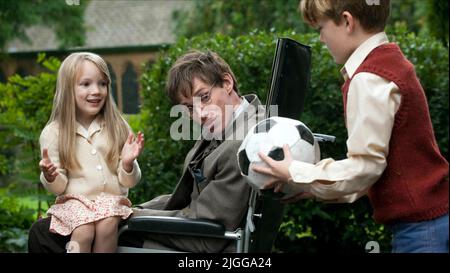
(279, 170)
(47, 167)
(297, 197)
(131, 150)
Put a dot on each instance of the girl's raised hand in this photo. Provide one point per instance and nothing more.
(47, 167)
(131, 150)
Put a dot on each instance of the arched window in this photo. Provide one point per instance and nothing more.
(113, 83)
(2, 77)
(130, 95)
(22, 72)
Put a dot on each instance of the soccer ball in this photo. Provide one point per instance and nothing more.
(268, 137)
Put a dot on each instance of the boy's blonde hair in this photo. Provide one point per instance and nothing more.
(372, 14)
(64, 112)
(207, 66)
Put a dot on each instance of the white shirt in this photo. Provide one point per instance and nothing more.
(372, 102)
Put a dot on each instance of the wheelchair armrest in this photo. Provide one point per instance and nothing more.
(324, 138)
(176, 225)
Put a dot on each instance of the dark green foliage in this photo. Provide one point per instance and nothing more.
(25, 106)
(15, 220)
(427, 17)
(308, 226)
(430, 58)
(237, 17)
(438, 19)
(17, 16)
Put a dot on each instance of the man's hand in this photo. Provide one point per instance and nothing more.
(278, 170)
(47, 167)
(131, 150)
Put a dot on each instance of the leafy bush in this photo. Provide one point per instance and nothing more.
(233, 18)
(308, 226)
(430, 58)
(25, 106)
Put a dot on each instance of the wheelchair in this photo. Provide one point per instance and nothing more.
(257, 234)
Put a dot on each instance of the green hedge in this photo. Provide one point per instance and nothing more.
(25, 106)
(308, 226)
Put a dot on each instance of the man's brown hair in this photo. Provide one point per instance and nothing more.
(372, 14)
(207, 66)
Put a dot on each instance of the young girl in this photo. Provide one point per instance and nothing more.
(88, 156)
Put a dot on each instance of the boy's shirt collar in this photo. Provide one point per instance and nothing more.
(360, 54)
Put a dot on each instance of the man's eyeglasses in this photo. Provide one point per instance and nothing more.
(204, 98)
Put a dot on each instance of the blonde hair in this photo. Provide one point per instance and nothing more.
(372, 16)
(64, 112)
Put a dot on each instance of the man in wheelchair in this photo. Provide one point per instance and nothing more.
(211, 186)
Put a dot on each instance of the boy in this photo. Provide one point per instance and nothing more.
(392, 153)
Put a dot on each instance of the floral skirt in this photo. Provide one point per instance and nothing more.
(72, 210)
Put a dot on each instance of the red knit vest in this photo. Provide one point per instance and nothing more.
(414, 185)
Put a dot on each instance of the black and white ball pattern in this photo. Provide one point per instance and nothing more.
(268, 137)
